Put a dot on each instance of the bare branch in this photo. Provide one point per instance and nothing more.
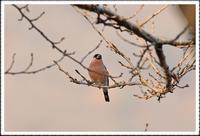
(25, 71)
(25, 7)
(33, 26)
(109, 44)
(98, 45)
(130, 42)
(182, 86)
(35, 19)
(177, 37)
(84, 78)
(66, 73)
(61, 39)
(128, 25)
(137, 11)
(89, 83)
(12, 63)
(154, 14)
(120, 20)
(164, 65)
(155, 90)
(53, 43)
(155, 84)
(142, 55)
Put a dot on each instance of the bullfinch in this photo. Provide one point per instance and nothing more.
(99, 74)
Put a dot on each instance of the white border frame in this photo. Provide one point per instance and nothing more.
(99, 2)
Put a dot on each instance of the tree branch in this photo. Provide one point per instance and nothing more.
(158, 85)
(122, 22)
(26, 70)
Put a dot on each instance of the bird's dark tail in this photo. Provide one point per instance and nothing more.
(106, 96)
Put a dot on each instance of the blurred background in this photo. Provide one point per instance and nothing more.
(47, 101)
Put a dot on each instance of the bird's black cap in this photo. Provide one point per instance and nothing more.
(97, 56)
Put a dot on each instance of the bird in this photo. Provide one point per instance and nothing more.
(99, 74)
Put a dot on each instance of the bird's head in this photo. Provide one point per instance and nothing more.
(97, 56)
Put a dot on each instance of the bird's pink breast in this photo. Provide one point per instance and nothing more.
(97, 66)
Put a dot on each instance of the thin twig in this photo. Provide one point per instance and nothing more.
(128, 41)
(152, 16)
(89, 83)
(137, 11)
(31, 63)
(158, 85)
(12, 63)
(109, 44)
(129, 25)
(84, 78)
(25, 71)
(98, 45)
(35, 19)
